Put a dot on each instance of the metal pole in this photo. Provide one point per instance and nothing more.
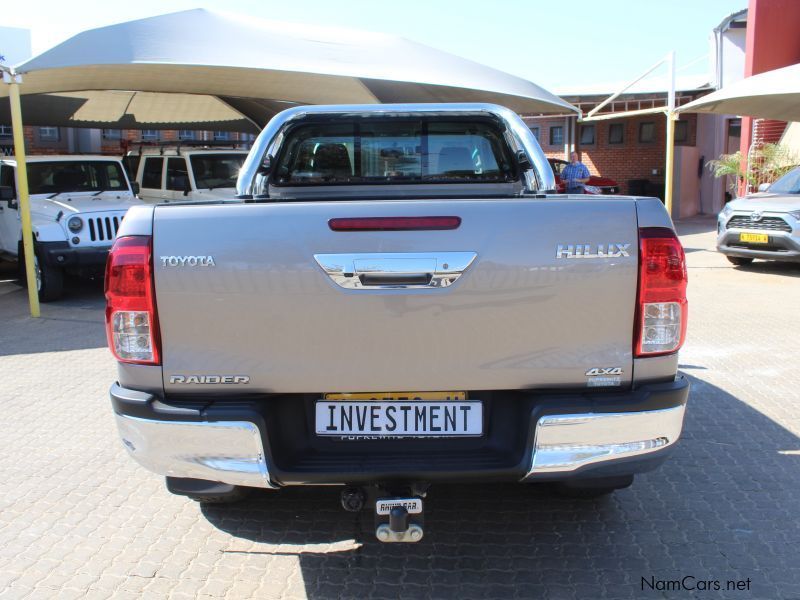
(13, 81)
(670, 159)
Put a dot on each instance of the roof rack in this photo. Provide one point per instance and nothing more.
(177, 144)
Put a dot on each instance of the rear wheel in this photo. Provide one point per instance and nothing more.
(739, 260)
(592, 488)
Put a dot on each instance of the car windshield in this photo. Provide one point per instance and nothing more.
(216, 170)
(558, 166)
(397, 150)
(788, 184)
(75, 176)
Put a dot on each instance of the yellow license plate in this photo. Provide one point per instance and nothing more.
(754, 238)
(455, 396)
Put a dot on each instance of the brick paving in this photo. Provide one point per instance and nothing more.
(79, 519)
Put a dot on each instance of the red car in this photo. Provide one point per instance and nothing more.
(595, 185)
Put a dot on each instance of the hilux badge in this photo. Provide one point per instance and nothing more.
(611, 250)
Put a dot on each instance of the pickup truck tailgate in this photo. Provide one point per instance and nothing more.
(522, 314)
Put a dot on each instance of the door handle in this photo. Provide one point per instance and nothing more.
(397, 270)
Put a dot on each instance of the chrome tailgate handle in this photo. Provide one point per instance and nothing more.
(395, 270)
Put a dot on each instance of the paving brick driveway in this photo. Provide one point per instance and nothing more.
(79, 519)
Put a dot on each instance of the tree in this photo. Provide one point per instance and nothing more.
(766, 163)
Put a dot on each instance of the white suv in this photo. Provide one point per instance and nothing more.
(185, 174)
(77, 205)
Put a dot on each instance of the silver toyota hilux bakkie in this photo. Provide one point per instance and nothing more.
(399, 299)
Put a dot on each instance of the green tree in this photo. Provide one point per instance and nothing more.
(766, 163)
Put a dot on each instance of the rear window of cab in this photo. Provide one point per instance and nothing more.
(395, 150)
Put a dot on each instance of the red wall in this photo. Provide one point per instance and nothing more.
(772, 42)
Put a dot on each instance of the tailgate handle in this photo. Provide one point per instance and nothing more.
(395, 270)
(395, 279)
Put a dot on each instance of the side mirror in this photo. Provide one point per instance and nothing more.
(523, 161)
(135, 188)
(763, 187)
(6, 193)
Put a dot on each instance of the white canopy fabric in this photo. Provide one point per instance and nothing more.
(770, 95)
(208, 70)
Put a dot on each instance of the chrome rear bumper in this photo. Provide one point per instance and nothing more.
(559, 435)
(228, 452)
(565, 443)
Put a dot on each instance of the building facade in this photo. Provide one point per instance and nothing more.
(115, 142)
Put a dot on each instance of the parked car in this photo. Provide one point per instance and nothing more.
(398, 300)
(181, 173)
(77, 205)
(764, 225)
(595, 185)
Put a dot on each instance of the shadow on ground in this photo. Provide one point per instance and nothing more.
(75, 322)
(772, 267)
(703, 514)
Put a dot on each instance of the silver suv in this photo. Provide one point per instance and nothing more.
(764, 225)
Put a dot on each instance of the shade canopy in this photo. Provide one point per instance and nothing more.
(770, 95)
(208, 70)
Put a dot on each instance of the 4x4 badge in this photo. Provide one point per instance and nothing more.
(599, 371)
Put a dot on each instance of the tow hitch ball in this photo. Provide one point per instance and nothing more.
(399, 528)
(397, 518)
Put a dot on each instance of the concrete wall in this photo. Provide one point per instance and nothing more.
(733, 55)
(686, 201)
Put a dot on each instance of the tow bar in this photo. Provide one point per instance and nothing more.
(398, 518)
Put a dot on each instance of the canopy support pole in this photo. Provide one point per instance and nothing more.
(13, 80)
(670, 158)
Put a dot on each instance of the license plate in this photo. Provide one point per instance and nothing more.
(437, 414)
(754, 238)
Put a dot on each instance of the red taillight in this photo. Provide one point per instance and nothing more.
(394, 223)
(131, 318)
(661, 312)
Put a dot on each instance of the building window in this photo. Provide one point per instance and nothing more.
(681, 132)
(112, 134)
(616, 133)
(647, 132)
(49, 134)
(735, 128)
(150, 135)
(556, 136)
(535, 132)
(587, 135)
(221, 136)
(6, 131)
(186, 134)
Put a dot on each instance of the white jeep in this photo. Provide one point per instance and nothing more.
(181, 173)
(77, 205)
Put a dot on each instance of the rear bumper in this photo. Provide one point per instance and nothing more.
(531, 436)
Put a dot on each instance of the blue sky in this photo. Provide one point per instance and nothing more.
(557, 44)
